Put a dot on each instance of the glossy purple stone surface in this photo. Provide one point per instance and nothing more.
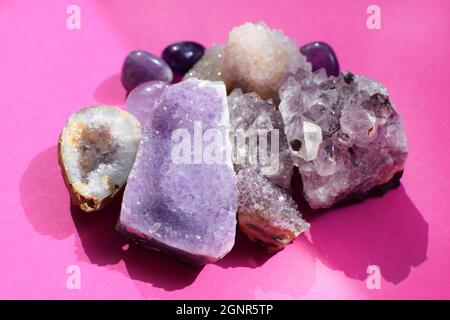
(182, 56)
(321, 55)
(141, 100)
(141, 66)
(185, 209)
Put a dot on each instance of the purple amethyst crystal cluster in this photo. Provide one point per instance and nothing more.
(219, 148)
(186, 209)
(345, 135)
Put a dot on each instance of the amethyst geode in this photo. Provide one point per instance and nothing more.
(186, 208)
(345, 135)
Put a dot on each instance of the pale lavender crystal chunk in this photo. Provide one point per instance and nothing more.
(141, 100)
(188, 210)
(345, 135)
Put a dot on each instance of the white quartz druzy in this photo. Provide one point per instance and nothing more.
(258, 58)
(210, 66)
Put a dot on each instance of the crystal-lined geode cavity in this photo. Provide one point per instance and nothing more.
(96, 150)
(345, 135)
(186, 209)
(267, 213)
(257, 59)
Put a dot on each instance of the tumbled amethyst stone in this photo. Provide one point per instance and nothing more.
(141, 100)
(321, 55)
(141, 66)
(182, 56)
(188, 208)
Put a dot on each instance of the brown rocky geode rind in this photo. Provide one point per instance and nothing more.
(87, 204)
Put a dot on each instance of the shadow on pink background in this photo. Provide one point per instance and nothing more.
(47, 72)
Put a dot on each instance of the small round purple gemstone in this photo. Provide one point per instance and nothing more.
(141, 66)
(182, 56)
(321, 55)
(141, 101)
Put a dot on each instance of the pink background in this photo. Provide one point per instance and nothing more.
(47, 72)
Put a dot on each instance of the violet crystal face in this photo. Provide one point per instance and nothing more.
(185, 208)
(345, 135)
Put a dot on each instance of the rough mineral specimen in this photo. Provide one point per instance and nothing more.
(96, 150)
(252, 116)
(321, 55)
(257, 59)
(345, 135)
(210, 66)
(141, 100)
(267, 213)
(186, 208)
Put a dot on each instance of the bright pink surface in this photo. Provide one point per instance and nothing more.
(47, 72)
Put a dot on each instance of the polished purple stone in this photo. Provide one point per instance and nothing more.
(321, 55)
(142, 99)
(182, 56)
(141, 66)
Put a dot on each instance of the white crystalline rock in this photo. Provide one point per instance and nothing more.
(267, 213)
(257, 59)
(345, 135)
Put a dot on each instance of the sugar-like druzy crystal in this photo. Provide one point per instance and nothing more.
(142, 99)
(345, 135)
(210, 66)
(267, 213)
(258, 58)
(184, 208)
(253, 116)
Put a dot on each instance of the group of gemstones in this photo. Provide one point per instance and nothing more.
(339, 130)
